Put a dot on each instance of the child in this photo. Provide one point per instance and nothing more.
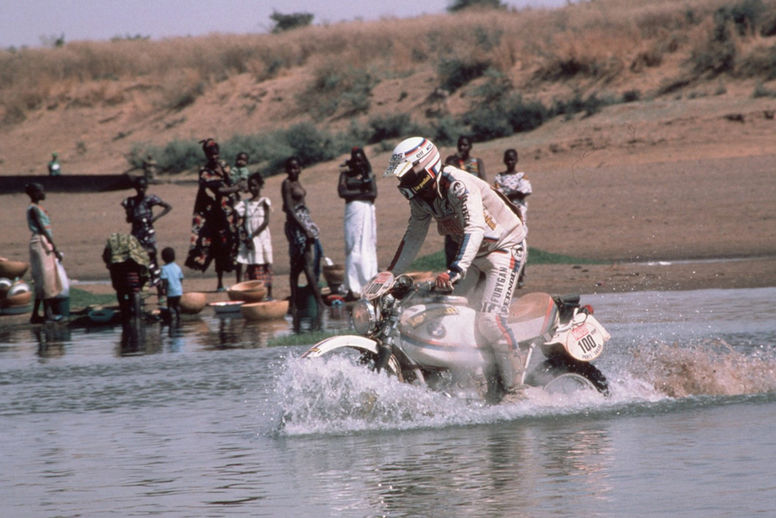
(172, 278)
(255, 240)
(515, 186)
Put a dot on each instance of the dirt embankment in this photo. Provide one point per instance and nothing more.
(679, 201)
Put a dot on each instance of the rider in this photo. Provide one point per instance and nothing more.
(490, 240)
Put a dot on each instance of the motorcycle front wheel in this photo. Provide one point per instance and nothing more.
(362, 350)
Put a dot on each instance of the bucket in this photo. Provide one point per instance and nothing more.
(305, 302)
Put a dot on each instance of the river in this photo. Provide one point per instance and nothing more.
(211, 421)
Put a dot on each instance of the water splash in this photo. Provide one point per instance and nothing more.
(709, 367)
(336, 395)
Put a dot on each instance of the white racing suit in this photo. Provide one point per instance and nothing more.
(491, 244)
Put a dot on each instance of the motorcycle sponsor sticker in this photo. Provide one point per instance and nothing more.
(579, 331)
(417, 320)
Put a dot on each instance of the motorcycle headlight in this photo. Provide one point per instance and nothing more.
(364, 318)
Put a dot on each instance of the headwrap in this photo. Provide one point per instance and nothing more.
(209, 146)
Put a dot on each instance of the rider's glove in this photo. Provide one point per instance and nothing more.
(445, 281)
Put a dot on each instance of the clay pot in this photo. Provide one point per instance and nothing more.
(248, 291)
(12, 269)
(21, 298)
(270, 310)
(334, 274)
(192, 302)
(5, 285)
(226, 307)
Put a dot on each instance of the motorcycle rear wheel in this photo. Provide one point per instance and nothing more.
(565, 375)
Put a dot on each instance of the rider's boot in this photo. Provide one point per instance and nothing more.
(510, 367)
(494, 388)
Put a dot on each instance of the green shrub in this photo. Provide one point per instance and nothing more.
(391, 126)
(183, 97)
(630, 96)
(446, 130)
(460, 5)
(525, 116)
(761, 63)
(309, 144)
(174, 157)
(337, 89)
(454, 72)
(488, 122)
(494, 88)
(487, 38)
(760, 90)
(577, 104)
(287, 22)
(714, 58)
(743, 16)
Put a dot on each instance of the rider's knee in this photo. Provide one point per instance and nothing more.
(490, 329)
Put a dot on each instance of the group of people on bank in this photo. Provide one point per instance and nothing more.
(230, 223)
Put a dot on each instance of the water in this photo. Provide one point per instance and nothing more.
(212, 422)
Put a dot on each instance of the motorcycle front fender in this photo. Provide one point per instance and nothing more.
(327, 345)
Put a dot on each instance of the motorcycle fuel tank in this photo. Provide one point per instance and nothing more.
(440, 334)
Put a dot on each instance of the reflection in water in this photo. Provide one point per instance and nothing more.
(132, 337)
(176, 338)
(51, 339)
(238, 332)
(140, 336)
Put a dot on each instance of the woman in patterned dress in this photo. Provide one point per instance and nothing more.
(139, 210)
(214, 235)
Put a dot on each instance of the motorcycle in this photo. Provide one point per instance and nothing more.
(423, 336)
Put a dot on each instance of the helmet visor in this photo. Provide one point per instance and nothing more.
(415, 182)
(398, 166)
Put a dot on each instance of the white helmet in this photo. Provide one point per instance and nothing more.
(416, 163)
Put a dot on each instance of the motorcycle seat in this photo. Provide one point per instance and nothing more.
(532, 315)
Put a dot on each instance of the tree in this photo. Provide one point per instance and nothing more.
(286, 22)
(460, 5)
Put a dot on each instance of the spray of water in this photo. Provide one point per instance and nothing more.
(336, 395)
(709, 367)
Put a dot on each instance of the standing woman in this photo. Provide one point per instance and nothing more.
(302, 234)
(358, 188)
(43, 255)
(139, 210)
(214, 223)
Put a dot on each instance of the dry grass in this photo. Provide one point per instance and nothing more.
(597, 41)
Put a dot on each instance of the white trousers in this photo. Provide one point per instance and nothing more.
(360, 245)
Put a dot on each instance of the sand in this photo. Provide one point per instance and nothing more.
(661, 195)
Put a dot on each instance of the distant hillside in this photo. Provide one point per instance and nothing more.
(318, 90)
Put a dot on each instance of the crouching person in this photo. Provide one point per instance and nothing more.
(128, 263)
